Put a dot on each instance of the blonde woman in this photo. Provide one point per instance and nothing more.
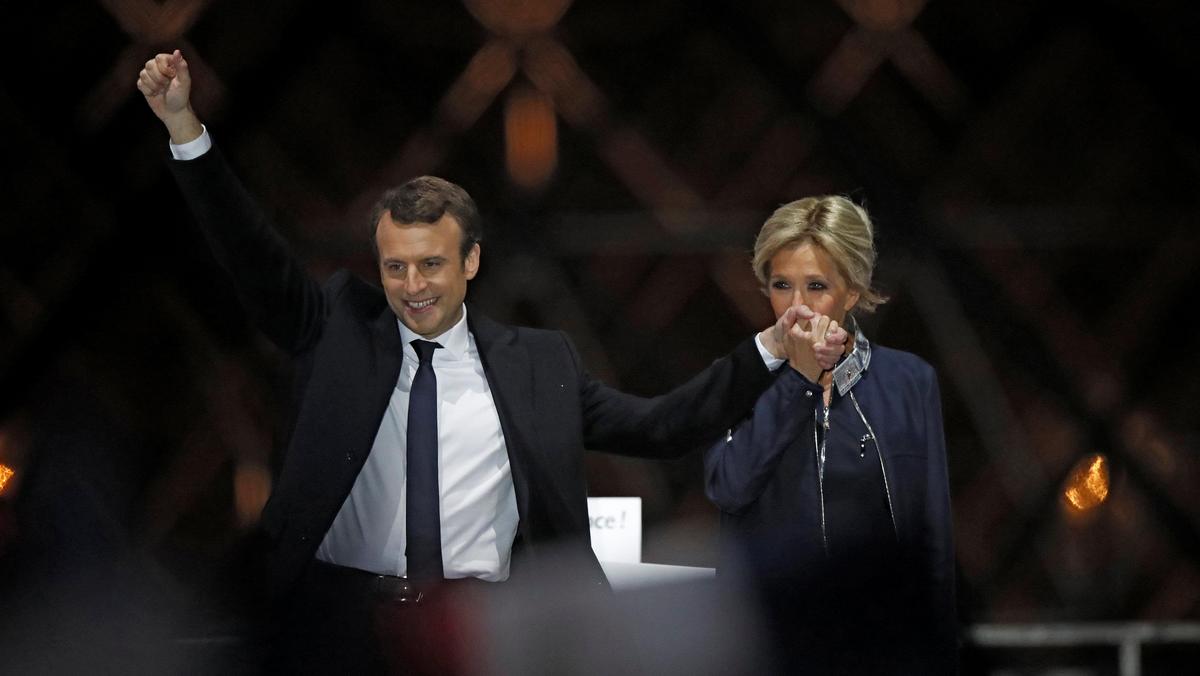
(833, 492)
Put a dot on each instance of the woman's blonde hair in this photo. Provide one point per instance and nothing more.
(834, 223)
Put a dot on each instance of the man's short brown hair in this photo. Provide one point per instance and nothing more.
(425, 199)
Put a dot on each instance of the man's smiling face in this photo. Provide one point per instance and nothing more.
(423, 272)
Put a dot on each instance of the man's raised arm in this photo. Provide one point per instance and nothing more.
(283, 300)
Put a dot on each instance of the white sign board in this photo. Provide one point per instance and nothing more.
(616, 528)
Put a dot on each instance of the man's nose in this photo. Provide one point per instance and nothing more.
(414, 281)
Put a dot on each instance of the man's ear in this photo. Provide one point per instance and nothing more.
(471, 262)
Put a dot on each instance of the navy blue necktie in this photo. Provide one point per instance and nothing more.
(423, 524)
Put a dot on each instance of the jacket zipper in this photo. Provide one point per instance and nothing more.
(819, 450)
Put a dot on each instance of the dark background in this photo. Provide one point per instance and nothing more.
(1032, 169)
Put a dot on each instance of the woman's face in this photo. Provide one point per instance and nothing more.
(805, 273)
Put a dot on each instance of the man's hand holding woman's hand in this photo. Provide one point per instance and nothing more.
(810, 341)
(814, 346)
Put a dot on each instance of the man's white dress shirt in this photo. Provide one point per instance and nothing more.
(477, 500)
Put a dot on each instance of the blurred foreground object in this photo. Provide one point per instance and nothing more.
(695, 627)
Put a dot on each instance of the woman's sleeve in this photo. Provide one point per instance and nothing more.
(737, 468)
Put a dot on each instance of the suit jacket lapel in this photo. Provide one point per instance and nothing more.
(358, 424)
(510, 377)
(384, 373)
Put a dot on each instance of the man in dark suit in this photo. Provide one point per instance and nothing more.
(396, 482)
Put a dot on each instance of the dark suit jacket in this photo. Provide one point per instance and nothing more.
(347, 344)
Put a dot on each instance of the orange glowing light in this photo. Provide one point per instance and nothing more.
(1088, 485)
(6, 473)
(518, 17)
(531, 137)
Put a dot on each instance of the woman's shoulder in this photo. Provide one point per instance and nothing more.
(898, 363)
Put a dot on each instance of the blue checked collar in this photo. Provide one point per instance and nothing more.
(851, 369)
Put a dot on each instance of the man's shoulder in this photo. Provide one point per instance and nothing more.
(492, 330)
(343, 286)
(531, 334)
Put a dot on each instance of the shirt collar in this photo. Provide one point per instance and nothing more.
(455, 341)
(851, 369)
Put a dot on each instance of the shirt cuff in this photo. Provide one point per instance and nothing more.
(769, 360)
(194, 148)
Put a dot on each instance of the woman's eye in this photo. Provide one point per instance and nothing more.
(817, 286)
(781, 285)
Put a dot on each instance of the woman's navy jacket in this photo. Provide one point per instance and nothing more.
(764, 478)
